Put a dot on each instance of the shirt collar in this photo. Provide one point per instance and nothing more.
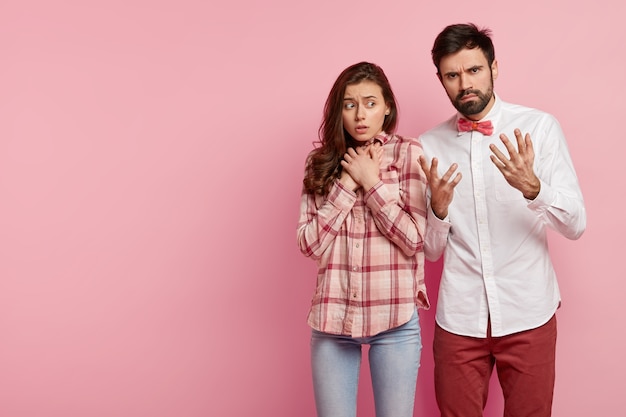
(382, 138)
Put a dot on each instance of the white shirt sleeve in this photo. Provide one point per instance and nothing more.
(560, 202)
(436, 235)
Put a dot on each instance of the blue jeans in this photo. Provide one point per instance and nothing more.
(394, 359)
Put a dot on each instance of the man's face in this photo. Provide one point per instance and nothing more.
(468, 81)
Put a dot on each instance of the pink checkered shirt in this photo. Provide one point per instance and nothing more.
(368, 247)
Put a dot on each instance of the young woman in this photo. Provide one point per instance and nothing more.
(362, 219)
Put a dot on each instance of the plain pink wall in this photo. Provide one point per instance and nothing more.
(151, 155)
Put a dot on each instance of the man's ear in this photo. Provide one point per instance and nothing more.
(494, 69)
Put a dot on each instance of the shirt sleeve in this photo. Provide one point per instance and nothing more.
(318, 226)
(402, 218)
(560, 201)
(436, 236)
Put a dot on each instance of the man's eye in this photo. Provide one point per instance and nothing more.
(475, 70)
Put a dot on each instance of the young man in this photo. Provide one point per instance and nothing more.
(508, 175)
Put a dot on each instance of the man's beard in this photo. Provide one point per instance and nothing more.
(473, 107)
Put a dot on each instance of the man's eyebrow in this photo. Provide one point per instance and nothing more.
(477, 66)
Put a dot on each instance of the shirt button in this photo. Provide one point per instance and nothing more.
(357, 245)
(354, 268)
(354, 295)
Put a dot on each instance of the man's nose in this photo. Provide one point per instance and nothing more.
(466, 82)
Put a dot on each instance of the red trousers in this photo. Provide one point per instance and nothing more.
(525, 363)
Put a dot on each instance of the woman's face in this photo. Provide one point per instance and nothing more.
(364, 110)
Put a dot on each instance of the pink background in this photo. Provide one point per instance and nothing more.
(151, 157)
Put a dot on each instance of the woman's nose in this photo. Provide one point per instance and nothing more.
(360, 113)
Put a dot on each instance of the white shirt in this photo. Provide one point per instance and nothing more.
(496, 261)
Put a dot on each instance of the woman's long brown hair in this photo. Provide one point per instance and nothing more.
(323, 165)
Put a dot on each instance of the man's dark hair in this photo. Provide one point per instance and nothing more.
(459, 36)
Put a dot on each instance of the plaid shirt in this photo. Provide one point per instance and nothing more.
(368, 247)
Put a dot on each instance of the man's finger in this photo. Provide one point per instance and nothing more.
(501, 157)
(424, 164)
(446, 177)
(456, 179)
(433, 167)
(521, 145)
(507, 144)
(530, 150)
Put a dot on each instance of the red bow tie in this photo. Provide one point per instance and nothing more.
(464, 125)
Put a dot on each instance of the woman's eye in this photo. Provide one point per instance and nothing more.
(349, 106)
(371, 104)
